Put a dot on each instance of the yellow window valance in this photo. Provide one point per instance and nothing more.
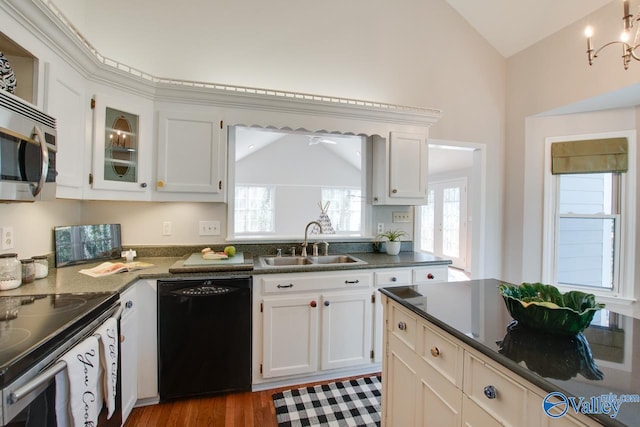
(589, 156)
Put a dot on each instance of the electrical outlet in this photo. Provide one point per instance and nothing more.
(401, 217)
(209, 228)
(380, 227)
(166, 228)
(7, 238)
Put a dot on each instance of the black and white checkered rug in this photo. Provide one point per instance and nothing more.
(348, 403)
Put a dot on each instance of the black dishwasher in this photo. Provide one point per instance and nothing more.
(204, 336)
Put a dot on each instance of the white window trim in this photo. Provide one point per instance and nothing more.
(625, 291)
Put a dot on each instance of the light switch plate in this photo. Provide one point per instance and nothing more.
(401, 217)
(209, 228)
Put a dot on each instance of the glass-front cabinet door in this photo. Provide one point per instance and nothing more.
(122, 132)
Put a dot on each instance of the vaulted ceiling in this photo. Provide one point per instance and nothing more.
(513, 25)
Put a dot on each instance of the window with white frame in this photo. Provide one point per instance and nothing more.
(588, 230)
(590, 213)
(254, 209)
(345, 209)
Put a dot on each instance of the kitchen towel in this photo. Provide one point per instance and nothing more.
(108, 334)
(77, 385)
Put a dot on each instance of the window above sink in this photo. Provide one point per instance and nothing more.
(282, 179)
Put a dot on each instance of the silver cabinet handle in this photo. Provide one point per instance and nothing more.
(490, 392)
(394, 279)
(327, 303)
(290, 285)
(129, 304)
(402, 326)
(351, 282)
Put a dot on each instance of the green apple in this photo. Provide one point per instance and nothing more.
(230, 250)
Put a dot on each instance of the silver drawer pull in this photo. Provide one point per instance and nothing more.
(351, 282)
(491, 392)
(402, 326)
(394, 279)
(290, 285)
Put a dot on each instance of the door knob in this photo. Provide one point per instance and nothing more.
(435, 351)
(402, 326)
(490, 391)
(313, 304)
(327, 303)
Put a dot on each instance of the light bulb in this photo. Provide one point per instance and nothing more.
(624, 37)
(588, 32)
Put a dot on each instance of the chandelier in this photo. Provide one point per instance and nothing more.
(628, 45)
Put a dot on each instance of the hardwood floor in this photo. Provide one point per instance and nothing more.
(248, 409)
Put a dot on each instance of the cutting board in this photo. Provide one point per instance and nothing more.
(196, 259)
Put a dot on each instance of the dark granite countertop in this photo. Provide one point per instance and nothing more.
(69, 280)
(475, 313)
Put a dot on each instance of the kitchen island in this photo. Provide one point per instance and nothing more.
(500, 372)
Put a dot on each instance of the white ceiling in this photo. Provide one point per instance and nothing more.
(513, 25)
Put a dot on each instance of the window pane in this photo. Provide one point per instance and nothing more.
(345, 209)
(586, 251)
(427, 223)
(586, 193)
(451, 222)
(254, 212)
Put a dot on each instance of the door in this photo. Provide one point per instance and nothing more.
(443, 221)
(290, 334)
(346, 329)
(191, 153)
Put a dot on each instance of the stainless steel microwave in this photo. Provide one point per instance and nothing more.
(27, 151)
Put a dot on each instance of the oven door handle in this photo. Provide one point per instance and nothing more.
(46, 375)
(41, 379)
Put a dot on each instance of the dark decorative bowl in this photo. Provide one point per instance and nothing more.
(543, 307)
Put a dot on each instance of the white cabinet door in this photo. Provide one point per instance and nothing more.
(122, 141)
(191, 153)
(129, 351)
(347, 324)
(147, 340)
(400, 166)
(66, 101)
(290, 334)
(408, 164)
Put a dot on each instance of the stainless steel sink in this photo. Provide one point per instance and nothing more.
(276, 261)
(308, 261)
(335, 259)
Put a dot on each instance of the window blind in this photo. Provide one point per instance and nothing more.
(589, 156)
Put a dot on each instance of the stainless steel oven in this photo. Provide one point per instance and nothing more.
(27, 151)
(35, 331)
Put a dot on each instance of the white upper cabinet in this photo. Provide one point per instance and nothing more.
(65, 100)
(191, 156)
(400, 166)
(122, 146)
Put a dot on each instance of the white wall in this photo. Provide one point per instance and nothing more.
(549, 75)
(418, 53)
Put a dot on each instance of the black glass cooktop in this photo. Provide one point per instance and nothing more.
(31, 326)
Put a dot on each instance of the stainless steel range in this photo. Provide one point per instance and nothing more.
(35, 331)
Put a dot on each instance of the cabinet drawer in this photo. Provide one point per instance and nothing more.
(474, 416)
(403, 325)
(392, 277)
(430, 274)
(501, 397)
(442, 353)
(287, 283)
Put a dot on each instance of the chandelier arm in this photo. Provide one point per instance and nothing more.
(632, 52)
(595, 54)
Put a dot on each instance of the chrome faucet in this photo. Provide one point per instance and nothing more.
(306, 231)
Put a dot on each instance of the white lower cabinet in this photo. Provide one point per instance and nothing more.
(431, 378)
(129, 351)
(312, 322)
